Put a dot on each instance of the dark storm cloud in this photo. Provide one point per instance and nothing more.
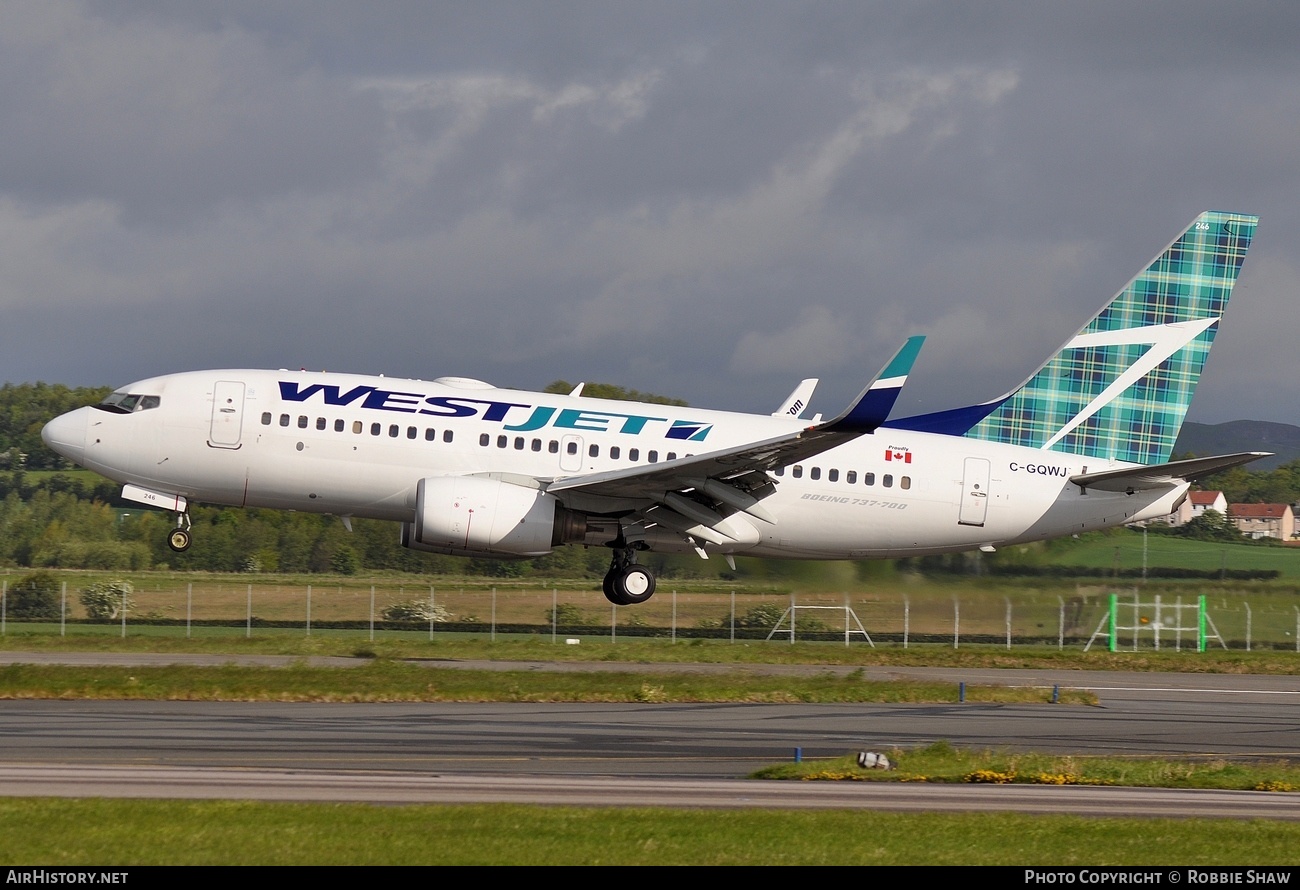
(165, 123)
(708, 200)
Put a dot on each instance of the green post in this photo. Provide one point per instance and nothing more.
(1112, 642)
(1200, 623)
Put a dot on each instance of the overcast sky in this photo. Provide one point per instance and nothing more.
(709, 200)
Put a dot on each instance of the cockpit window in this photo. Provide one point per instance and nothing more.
(128, 402)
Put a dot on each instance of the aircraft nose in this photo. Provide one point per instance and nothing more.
(66, 434)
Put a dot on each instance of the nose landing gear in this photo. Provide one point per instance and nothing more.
(179, 538)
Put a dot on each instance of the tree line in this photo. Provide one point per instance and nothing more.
(25, 408)
(55, 516)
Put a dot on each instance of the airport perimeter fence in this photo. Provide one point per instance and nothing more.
(1119, 619)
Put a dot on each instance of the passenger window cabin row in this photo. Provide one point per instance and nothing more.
(376, 429)
(850, 476)
(520, 443)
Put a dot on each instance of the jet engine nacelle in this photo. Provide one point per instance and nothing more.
(473, 516)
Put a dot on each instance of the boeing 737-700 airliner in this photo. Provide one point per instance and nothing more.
(469, 469)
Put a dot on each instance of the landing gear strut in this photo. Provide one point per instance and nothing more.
(626, 583)
(179, 538)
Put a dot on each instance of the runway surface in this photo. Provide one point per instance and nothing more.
(642, 754)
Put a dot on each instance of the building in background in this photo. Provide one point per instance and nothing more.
(1196, 503)
(1263, 520)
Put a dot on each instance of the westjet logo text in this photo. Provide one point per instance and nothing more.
(522, 416)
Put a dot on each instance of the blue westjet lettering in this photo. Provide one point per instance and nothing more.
(536, 417)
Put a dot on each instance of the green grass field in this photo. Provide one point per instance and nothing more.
(122, 833)
(1130, 549)
(890, 604)
(50, 832)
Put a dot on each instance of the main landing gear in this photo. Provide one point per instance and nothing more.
(626, 583)
(179, 538)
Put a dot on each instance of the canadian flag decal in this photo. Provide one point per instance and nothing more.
(898, 454)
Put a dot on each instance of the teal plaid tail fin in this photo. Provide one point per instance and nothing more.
(1120, 388)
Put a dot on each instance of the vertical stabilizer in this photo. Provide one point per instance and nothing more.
(1120, 388)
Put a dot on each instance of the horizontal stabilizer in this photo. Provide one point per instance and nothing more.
(1164, 475)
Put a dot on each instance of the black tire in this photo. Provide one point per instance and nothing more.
(612, 590)
(635, 584)
(179, 540)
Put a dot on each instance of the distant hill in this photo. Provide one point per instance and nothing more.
(1203, 439)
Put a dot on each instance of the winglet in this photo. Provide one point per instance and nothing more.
(872, 406)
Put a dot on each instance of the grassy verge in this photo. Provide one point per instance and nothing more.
(895, 604)
(51, 832)
(654, 650)
(941, 763)
(382, 680)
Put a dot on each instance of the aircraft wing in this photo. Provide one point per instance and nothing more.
(737, 476)
(1164, 475)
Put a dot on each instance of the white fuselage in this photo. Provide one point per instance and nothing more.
(358, 446)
